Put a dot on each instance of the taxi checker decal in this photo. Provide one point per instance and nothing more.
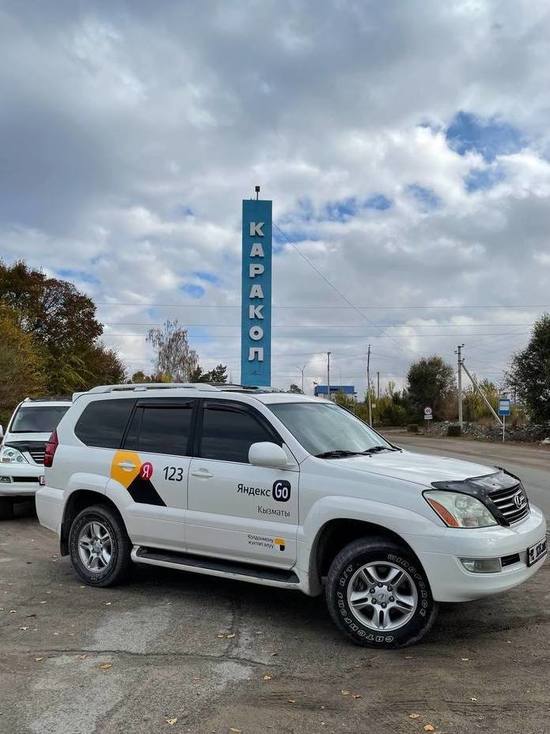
(128, 469)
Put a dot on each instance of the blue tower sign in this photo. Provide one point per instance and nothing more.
(256, 293)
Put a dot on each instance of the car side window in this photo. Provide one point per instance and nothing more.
(229, 430)
(161, 429)
(103, 423)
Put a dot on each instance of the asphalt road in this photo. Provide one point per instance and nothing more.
(175, 652)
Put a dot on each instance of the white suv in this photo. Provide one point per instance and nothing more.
(22, 449)
(283, 490)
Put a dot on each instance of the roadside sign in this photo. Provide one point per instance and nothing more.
(504, 410)
(428, 414)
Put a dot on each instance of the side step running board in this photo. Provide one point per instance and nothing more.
(216, 567)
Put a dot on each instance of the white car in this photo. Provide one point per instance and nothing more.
(22, 449)
(287, 491)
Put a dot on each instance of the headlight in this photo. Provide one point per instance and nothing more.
(459, 510)
(9, 455)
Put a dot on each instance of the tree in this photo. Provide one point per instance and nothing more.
(174, 357)
(217, 375)
(140, 377)
(295, 389)
(474, 406)
(430, 383)
(529, 372)
(22, 367)
(62, 323)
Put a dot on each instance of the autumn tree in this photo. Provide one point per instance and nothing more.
(22, 367)
(62, 323)
(174, 358)
(529, 372)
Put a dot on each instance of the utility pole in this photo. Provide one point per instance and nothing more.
(368, 386)
(328, 375)
(378, 385)
(459, 349)
(302, 371)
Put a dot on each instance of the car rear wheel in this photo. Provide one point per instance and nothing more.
(6, 508)
(378, 594)
(99, 547)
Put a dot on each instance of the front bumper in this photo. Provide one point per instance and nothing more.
(19, 480)
(451, 582)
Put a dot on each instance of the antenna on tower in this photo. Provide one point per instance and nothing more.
(257, 190)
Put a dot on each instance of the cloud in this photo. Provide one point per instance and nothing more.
(405, 148)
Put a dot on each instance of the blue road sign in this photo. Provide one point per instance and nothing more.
(504, 406)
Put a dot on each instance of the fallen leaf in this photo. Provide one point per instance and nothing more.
(173, 721)
(414, 716)
(23, 628)
(12, 611)
(473, 699)
(43, 602)
(37, 660)
(292, 700)
(464, 660)
(235, 731)
(357, 695)
(345, 693)
(105, 666)
(231, 636)
(267, 677)
(82, 657)
(273, 654)
(429, 727)
(108, 603)
(221, 635)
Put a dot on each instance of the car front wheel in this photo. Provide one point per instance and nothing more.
(99, 547)
(378, 594)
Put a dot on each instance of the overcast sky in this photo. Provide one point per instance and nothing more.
(405, 145)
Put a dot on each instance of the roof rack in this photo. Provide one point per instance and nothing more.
(139, 386)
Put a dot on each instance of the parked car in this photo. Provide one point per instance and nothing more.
(286, 491)
(22, 449)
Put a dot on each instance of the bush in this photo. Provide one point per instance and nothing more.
(454, 431)
(412, 428)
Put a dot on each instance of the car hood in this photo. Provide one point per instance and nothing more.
(419, 468)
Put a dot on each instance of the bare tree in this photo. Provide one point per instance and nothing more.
(175, 360)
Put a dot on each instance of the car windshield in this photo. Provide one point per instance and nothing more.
(327, 429)
(38, 419)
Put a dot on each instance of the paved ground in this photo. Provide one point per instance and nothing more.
(175, 652)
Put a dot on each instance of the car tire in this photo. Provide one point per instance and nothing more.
(99, 547)
(6, 508)
(378, 594)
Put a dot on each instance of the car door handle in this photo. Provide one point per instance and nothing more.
(127, 466)
(202, 474)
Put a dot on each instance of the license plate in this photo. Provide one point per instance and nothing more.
(537, 551)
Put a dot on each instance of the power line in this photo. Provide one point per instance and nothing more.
(371, 307)
(348, 336)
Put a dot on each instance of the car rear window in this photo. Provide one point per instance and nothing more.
(38, 419)
(103, 422)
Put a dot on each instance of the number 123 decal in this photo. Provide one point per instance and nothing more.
(173, 473)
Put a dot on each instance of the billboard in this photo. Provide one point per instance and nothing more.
(256, 293)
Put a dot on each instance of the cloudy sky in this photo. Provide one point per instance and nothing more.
(405, 145)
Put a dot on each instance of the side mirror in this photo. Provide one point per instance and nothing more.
(266, 453)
